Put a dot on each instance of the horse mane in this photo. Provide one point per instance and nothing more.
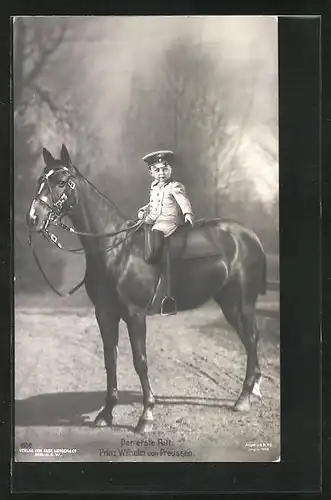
(100, 193)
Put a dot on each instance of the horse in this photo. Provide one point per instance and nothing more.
(120, 283)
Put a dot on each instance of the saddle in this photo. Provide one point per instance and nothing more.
(185, 243)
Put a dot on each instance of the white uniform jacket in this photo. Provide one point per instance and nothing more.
(168, 203)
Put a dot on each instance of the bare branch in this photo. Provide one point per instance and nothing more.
(268, 150)
(46, 52)
(45, 96)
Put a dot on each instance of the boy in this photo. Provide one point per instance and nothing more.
(168, 206)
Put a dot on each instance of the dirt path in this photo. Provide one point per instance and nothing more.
(196, 367)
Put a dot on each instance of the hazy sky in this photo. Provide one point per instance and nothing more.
(109, 50)
(104, 53)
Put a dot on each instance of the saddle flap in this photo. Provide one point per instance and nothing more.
(192, 242)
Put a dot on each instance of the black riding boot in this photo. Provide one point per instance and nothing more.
(153, 244)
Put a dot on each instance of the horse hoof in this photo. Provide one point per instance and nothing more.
(144, 426)
(242, 405)
(103, 419)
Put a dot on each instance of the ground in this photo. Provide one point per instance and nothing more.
(196, 368)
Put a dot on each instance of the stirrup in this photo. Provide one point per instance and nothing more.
(168, 306)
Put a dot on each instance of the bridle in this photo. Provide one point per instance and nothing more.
(59, 209)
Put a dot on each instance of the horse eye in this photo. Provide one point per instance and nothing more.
(62, 184)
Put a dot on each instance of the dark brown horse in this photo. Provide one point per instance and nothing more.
(121, 284)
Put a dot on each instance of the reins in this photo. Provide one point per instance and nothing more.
(53, 239)
(55, 219)
(71, 292)
(98, 235)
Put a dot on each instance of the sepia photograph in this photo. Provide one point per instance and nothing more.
(146, 239)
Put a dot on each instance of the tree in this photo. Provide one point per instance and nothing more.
(183, 108)
(34, 45)
(195, 92)
(47, 112)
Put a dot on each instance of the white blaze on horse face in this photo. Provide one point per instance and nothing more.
(32, 212)
(43, 198)
(35, 206)
(49, 173)
(41, 187)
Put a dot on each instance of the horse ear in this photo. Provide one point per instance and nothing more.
(48, 158)
(65, 157)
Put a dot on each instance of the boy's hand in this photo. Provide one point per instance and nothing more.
(141, 214)
(148, 220)
(189, 218)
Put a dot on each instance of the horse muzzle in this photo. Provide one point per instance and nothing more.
(31, 220)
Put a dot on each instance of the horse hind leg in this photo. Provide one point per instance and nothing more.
(258, 375)
(240, 314)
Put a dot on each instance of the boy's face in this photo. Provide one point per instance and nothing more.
(161, 172)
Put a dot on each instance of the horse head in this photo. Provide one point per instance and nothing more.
(56, 192)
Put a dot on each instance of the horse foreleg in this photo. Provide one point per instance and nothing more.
(108, 324)
(136, 325)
